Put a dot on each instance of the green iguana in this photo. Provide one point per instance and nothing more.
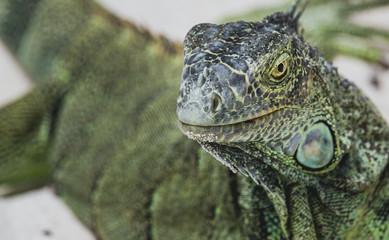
(100, 125)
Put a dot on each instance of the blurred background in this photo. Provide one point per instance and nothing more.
(39, 214)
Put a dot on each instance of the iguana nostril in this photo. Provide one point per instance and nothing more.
(206, 72)
(216, 103)
(280, 67)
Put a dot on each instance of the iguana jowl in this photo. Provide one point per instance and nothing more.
(264, 102)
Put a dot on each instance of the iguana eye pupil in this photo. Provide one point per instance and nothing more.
(280, 67)
(316, 148)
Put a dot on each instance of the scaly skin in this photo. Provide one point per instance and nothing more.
(261, 100)
(101, 124)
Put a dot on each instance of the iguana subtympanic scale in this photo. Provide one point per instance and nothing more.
(264, 102)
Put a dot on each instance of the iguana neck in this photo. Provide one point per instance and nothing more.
(362, 130)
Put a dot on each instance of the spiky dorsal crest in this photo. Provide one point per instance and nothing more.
(290, 18)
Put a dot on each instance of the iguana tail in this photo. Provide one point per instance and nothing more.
(25, 124)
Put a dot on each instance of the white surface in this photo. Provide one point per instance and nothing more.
(32, 215)
(39, 215)
(173, 18)
(13, 81)
(373, 17)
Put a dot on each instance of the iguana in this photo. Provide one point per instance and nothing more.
(262, 101)
(101, 124)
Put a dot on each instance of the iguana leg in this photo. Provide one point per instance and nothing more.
(24, 138)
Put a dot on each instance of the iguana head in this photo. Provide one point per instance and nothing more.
(252, 86)
(251, 96)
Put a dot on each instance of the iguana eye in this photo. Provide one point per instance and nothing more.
(316, 148)
(280, 67)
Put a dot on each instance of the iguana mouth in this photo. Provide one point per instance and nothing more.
(245, 131)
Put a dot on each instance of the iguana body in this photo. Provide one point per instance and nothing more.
(102, 119)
